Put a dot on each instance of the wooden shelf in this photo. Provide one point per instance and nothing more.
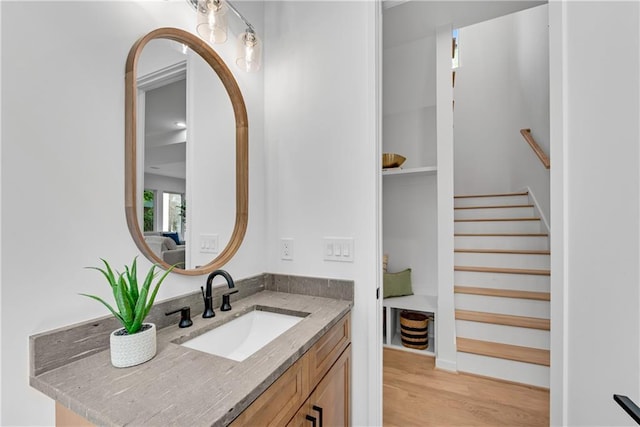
(425, 170)
(426, 303)
(396, 343)
(421, 303)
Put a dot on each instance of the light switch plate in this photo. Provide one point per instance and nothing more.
(209, 243)
(338, 249)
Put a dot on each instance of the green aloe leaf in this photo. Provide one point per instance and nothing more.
(155, 291)
(142, 299)
(109, 272)
(122, 300)
(111, 309)
(110, 278)
(133, 280)
(129, 287)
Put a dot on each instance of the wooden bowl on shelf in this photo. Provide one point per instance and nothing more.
(392, 160)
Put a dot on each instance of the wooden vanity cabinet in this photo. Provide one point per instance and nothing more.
(288, 401)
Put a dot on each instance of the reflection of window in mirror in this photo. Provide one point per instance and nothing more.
(172, 217)
(148, 204)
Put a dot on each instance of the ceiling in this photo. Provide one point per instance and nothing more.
(404, 21)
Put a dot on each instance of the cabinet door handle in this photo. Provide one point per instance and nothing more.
(312, 419)
(319, 410)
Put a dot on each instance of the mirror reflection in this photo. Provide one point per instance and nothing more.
(186, 144)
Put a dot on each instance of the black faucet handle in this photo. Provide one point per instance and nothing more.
(226, 305)
(208, 305)
(185, 316)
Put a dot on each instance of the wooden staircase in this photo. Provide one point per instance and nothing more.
(502, 293)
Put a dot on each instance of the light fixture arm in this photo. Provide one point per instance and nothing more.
(239, 15)
(194, 5)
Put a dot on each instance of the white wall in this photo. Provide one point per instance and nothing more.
(502, 86)
(410, 229)
(211, 161)
(600, 186)
(163, 183)
(320, 98)
(63, 170)
(409, 107)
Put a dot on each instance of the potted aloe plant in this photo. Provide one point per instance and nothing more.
(135, 342)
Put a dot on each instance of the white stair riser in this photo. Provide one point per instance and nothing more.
(503, 260)
(491, 201)
(525, 373)
(521, 282)
(502, 242)
(494, 213)
(533, 226)
(501, 305)
(525, 337)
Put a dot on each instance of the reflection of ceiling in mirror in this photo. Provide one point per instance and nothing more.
(165, 137)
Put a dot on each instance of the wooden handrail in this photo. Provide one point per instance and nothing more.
(535, 147)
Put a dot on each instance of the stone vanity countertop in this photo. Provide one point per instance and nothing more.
(181, 386)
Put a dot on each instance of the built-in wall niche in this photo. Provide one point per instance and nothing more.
(409, 102)
(410, 228)
(409, 193)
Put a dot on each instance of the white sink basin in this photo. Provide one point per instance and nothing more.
(243, 336)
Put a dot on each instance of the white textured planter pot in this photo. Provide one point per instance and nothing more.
(131, 350)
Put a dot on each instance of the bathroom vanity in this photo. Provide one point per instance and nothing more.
(299, 378)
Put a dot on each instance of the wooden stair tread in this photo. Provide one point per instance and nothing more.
(534, 272)
(505, 251)
(504, 351)
(494, 207)
(504, 319)
(505, 293)
(502, 234)
(495, 219)
(470, 196)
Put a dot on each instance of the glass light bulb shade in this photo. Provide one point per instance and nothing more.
(212, 20)
(249, 54)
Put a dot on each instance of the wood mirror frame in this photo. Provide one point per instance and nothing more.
(200, 47)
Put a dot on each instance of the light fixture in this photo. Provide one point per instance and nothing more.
(212, 26)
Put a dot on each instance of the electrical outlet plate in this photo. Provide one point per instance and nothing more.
(286, 249)
(338, 249)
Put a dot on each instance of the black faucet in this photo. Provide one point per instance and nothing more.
(208, 299)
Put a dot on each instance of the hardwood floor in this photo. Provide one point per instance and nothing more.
(416, 394)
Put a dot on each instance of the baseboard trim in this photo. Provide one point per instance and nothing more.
(531, 386)
(446, 365)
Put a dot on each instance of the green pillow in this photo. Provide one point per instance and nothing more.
(397, 284)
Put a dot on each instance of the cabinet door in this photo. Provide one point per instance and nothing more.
(328, 405)
(330, 400)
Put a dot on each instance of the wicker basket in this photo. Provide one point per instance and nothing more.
(414, 328)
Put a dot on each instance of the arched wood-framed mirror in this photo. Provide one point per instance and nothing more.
(133, 186)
